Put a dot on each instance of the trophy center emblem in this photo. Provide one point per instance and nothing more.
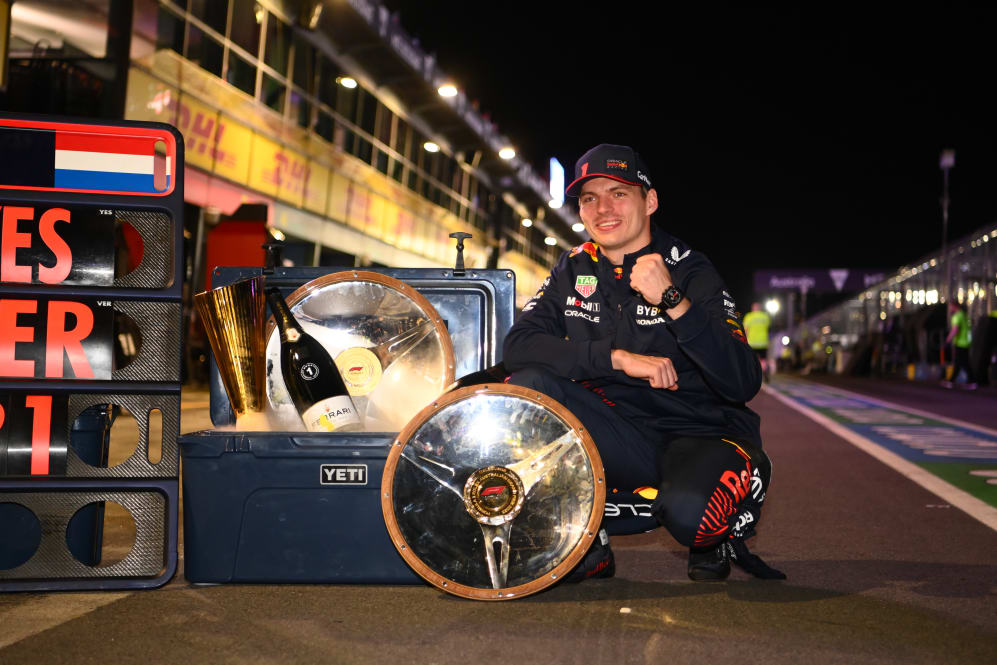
(360, 369)
(493, 495)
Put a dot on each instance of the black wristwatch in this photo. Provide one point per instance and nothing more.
(671, 297)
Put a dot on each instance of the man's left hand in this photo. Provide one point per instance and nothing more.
(650, 277)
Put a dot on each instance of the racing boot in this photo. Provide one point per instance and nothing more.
(709, 563)
(598, 562)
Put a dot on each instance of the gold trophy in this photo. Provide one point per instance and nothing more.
(233, 317)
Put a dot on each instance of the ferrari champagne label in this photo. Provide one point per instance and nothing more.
(331, 414)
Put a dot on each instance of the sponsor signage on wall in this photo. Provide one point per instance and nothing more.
(833, 280)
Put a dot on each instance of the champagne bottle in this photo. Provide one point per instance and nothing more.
(310, 375)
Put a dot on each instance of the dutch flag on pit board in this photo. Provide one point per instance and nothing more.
(94, 162)
(108, 163)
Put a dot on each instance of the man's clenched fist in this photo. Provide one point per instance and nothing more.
(650, 277)
(658, 371)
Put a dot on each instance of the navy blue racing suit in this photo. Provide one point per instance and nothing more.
(692, 457)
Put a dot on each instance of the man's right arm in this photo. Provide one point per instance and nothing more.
(537, 339)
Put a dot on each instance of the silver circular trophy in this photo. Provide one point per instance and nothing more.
(389, 343)
(493, 492)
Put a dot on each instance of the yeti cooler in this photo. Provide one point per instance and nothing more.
(302, 507)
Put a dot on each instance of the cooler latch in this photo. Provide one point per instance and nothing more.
(458, 269)
(273, 256)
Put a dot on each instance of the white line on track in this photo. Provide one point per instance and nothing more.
(907, 409)
(965, 501)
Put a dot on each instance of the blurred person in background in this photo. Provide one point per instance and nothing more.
(959, 338)
(756, 326)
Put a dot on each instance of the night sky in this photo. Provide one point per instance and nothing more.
(775, 139)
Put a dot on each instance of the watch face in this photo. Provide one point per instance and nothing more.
(671, 297)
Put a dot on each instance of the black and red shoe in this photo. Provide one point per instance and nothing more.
(598, 562)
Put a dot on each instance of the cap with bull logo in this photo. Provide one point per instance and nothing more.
(618, 162)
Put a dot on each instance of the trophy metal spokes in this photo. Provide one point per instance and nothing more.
(494, 495)
(426, 466)
(395, 348)
(497, 538)
(532, 470)
(500, 495)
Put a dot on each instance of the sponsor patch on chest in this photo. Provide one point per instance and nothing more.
(584, 304)
(649, 315)
(581, 315)
(674, 257)
(584, 307)
(585, 285)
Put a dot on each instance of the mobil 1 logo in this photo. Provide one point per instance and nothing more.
(344, 474)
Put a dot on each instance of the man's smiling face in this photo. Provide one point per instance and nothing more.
(616, 215)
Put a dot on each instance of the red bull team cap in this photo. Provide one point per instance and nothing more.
(618, 162)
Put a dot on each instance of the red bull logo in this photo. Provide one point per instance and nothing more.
(589, 248)
(736, 333)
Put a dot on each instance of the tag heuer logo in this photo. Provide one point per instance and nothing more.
(585, 285)
(344, 474)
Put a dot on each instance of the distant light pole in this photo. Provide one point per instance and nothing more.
(946, 161)
(772, 307)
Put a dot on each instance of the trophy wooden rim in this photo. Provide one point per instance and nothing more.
(505, 593)
(420, 301)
